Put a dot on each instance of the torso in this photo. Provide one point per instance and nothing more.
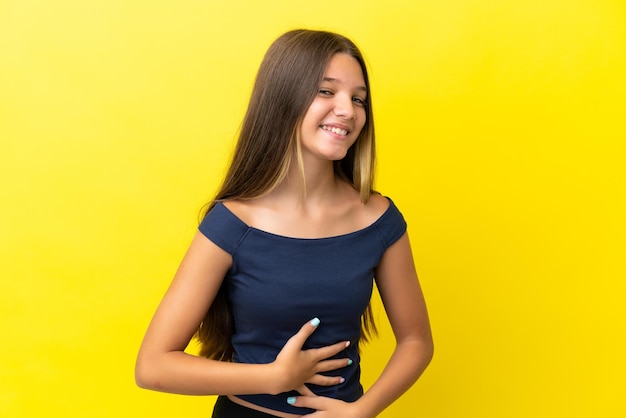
(332, 247)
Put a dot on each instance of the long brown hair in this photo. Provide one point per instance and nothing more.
(286, 84)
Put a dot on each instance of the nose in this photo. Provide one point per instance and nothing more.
(344, 107)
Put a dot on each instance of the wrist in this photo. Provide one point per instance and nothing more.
(275, 378)
(360, 410)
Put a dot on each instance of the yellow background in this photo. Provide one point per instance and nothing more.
(501, 128)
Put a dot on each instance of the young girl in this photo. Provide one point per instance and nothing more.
(276, 284)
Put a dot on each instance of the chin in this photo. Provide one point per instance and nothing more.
(336, 154)
(337, 157)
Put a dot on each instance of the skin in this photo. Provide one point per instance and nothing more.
(340, 104)
(331, 207)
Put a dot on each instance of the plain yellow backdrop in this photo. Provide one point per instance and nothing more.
(501, 134)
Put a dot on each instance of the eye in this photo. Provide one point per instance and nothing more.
(359, 101)
(325, 92)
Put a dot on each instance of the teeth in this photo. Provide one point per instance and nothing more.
(335, 130)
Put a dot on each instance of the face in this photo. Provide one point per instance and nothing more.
(335, 118)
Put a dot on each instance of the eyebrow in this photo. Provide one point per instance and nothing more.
(334, 80)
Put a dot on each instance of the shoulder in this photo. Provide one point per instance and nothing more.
(247, 211)
(223, 227)
(390, 223)
(377, 205)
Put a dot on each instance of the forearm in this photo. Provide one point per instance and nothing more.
(182, 373)
(407, 363)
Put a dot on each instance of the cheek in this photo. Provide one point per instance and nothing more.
(361, 119)
(314, 113)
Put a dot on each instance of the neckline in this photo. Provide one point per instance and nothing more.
(287, 237)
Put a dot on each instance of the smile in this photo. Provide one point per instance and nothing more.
(335, 130)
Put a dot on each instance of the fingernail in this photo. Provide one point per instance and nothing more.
(349, 362)
(315, 322)
(291, 400)
(347, 343)
(341, 380)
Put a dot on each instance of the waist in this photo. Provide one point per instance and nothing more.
(278, 405)
(256, 411)
(349, 391)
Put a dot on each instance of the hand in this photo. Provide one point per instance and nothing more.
(326, 407)
(294, 366)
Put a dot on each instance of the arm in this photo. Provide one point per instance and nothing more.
(404, 303)
(163, 365)
(406, 309)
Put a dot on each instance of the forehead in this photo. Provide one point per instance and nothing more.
(344, 69)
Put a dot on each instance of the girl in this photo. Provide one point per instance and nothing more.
(276, 284)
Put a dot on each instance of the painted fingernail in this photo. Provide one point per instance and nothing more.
(349, 362)
(341, 380)
(347, 343)
(315, 322)
(291, 400)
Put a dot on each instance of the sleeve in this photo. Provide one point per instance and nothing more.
(392, 225)
(223, 228)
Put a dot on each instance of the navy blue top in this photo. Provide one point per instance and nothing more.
(278, 283)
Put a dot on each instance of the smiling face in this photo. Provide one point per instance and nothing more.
(336, 116)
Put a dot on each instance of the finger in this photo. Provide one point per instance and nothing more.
(319, 403)
(305, 331)
(305, 391)
(330, 350)
(328, 365)
(322, 380)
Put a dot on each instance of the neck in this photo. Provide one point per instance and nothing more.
(318, 185)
